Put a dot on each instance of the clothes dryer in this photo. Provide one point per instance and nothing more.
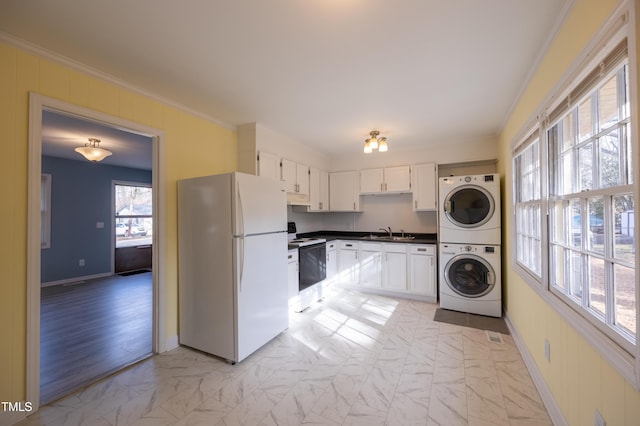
(470, 279)
(470, 209)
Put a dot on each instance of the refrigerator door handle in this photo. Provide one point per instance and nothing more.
(241, 211)
(241, 250)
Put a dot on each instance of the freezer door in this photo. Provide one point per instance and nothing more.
(260, 205)
(262, 290)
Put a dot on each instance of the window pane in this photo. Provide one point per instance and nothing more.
(574, 212)
(567, 181)
(596, 284)
(625, 297)
(557, 222)
(585, 157)
(585, 125)
(134, 210)
(610, 159)
(624, 241)
(575, 269)
(608, 103)
(568, 131)
(629, 155)
(557, 267)
(596, 224)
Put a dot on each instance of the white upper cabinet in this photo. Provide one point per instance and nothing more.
(318, 190)
(295, 177)
(385, 180)
(268, 165)
(425, 187)
(344, 192)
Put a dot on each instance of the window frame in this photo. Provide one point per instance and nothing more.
(623, 357)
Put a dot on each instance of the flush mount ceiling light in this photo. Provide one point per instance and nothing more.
(375, 143)
(92, 151)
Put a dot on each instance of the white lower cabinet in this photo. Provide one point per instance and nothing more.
(332, 260)
(403, 270)
(348, 262)
(422, 271)
(395, 267)
(292, 259)
(370, 259)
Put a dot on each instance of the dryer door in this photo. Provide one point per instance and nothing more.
(469, 206)
(469, 275)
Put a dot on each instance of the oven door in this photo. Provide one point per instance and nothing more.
(312, 264)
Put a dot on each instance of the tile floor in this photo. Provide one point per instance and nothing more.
(353, 359)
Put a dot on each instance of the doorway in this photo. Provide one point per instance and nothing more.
(39, 106)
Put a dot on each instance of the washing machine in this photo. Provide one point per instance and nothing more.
(470, 209)
(470, 278)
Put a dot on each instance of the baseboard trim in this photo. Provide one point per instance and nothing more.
(9, 418)
(76, 279)
(538, 380)
(171, 343)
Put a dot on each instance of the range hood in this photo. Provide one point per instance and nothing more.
(297, 199)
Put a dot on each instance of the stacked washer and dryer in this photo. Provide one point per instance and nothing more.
(469, 244)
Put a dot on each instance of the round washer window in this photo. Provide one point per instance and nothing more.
(469, 275)
(469, 206)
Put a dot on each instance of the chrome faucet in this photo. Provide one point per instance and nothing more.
(387, 230)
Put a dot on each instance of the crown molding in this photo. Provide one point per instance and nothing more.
(78, 66)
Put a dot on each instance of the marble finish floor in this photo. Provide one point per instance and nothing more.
(353, 359)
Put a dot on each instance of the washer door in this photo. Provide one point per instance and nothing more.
(469, 275)
(469, 206)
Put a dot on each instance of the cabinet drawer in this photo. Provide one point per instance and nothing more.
(395, 248)
(371, 246)
(422, 249)
(349, 245)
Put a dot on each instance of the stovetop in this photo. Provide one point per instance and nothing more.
(301, 242)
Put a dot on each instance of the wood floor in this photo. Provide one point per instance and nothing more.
(92, 329)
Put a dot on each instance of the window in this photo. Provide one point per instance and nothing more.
(527, 206)
(45, 211)
(588, 195)
(134, 214)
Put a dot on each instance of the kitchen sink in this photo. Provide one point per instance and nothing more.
(387, 238)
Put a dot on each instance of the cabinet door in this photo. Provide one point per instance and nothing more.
(397, 179)
(302, 178)
(289, 175)
(395, 268)
(422, 279)
(332, 263)
(293, 275)
(348, 265)
(324, 190)
(425, 187)
(370, 259)
(371, 181)
(343, 192)
(314, 189)
(268, 165)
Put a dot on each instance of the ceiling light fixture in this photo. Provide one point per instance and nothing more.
(92, 151)
(374, 143)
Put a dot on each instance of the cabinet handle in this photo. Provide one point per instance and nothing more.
(349, 245)
(381, 188)
(385, 187)
(290, 256)
(416, 203)
(354, 205)
(422, 249)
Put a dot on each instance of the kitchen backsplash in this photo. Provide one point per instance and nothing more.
(379, 211)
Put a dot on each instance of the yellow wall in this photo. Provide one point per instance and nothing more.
(22, 72)
(580, 380)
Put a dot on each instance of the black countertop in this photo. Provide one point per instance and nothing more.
(362, 236)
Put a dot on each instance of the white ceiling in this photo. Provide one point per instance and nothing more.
(322, 72)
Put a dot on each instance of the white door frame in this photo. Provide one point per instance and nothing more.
(38, 103)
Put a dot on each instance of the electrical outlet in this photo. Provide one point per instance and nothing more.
(598, 419)
(81, 262)
(547, 350)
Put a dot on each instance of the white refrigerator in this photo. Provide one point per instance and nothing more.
(232, 260)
